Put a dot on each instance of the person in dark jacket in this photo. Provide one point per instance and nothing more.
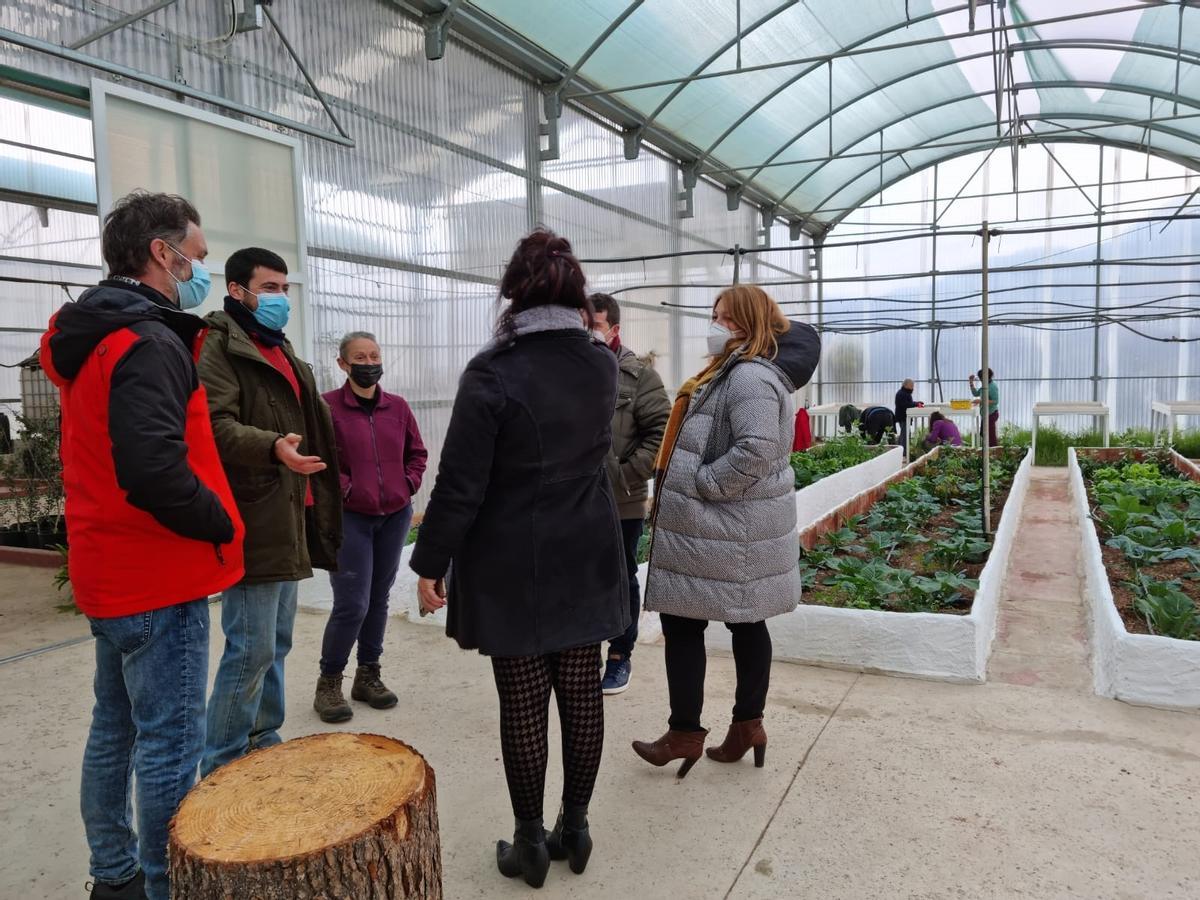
(904, 402)
(381, 462)
(152, 526)
(725, 546)
(848, 417)
(276, 440)
(638, 425)
(523, 517)
(873, 423)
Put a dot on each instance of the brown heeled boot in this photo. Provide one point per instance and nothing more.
(741, 737)
(685, 745)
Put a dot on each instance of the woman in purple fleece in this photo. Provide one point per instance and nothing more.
(381, 460)
(942, 431)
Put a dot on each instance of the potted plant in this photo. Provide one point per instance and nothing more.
(33, 476)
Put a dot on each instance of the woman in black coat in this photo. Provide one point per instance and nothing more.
(523, 519)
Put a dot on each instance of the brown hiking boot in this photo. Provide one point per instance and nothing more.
(368, 687)
(329, 702)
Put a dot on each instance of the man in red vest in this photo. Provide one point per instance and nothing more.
(152, 526)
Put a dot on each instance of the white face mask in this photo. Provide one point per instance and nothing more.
(718, 337)
(598, 335)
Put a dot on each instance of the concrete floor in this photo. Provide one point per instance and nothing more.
(875, 787)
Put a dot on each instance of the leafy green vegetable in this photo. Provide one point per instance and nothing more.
(853, 565)
(831, 456)
(1167, 609)
(1150, 512)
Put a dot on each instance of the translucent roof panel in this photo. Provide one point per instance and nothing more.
(817, 107)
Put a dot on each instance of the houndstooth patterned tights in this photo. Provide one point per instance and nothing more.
(524, 684)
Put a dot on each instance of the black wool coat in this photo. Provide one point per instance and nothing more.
(522, 514)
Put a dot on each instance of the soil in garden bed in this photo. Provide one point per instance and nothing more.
(913, 556)
(1123, 572)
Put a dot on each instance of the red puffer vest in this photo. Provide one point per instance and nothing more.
(121, 559)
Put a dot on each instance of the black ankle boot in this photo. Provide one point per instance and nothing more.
(571, 839)
(526, 855)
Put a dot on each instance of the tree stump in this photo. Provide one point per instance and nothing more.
(325, 816)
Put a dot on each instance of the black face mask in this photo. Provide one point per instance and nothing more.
(366, 375)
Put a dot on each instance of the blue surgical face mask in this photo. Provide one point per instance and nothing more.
(193, 291)
(272, 311)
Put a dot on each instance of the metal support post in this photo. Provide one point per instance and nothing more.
(934, 381)
(984, 406)
(737, 263)
(676, 320)
(1099, 237)
(533, 159)
(819, 265)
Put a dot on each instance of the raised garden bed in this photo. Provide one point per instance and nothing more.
(826, 476)
(887, 607)
(830, 474)
(1139, 512)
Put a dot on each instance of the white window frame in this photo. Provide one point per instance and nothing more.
(102, 90)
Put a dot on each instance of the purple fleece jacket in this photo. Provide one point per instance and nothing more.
(381, 457)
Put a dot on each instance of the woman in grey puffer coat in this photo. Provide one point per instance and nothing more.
(725, 547)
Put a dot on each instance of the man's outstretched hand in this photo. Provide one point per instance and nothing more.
(287, 451)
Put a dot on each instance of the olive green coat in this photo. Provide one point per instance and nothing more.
(638, 425)
(252, 405)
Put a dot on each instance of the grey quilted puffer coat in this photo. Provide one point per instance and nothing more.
(725, 545)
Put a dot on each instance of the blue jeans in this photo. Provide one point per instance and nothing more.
(367, 566)
(148, 722)
(245, 711)
(631, 536)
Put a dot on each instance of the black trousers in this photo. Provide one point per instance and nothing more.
(687, 662)
(524, 685)
(631, 536)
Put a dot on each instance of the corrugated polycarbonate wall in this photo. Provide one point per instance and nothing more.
(409, 231)
(1146, 268)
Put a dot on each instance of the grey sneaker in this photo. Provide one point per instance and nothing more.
(329, 702)
(369, 688)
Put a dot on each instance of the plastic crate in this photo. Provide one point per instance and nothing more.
(39, 396)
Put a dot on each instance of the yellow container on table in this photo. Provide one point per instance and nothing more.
(960, 404)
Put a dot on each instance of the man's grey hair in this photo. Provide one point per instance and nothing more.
(351, 337)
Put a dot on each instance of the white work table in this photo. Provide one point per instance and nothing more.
(825, 416)
(1095, 410)
(1170, 410)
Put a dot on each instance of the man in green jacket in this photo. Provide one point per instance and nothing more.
(275, 437)
(638, 425)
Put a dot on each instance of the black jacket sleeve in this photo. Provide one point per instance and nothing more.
(147, 415)
(464, 472)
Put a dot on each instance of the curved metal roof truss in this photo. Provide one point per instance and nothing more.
(802, 104)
